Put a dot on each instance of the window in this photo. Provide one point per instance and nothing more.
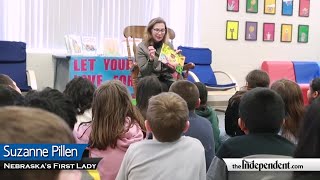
(42, 24)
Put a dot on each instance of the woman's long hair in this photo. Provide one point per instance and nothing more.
(293, 99)
(148, 40)
(110, 108)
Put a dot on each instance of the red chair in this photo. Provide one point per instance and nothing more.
(279, 70)
(284, 70)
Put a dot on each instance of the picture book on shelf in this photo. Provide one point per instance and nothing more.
(111, 47)
(169, 57)
(89, 45)
(66, 40)
(75, 44)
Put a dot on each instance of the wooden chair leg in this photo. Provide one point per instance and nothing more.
(134, 75)
(134, 84)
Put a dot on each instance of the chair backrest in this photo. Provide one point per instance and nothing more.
(202, 58)
(305, 71)
(279, 70)
(138, 32)
(13, 59)
(196, 55)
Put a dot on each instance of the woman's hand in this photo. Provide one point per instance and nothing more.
(152, 53)
(178, 51)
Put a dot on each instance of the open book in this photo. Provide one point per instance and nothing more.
(172, 59)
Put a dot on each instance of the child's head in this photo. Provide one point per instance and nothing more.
(314, 89)
(289, 91)
(23, 125)
(6, 80)
(80, 90)
(261, 110)
(53, 101)
(111, 105)
(167, 116)
(292, 97)
(188, 91)
(147, 87)
(257, 78)
(9, 96)
(32, 125)
(203, 92)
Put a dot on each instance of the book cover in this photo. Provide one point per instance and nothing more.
(75, 44)
(111, 47)
(89, 45)
(169, 57)
(66, 40)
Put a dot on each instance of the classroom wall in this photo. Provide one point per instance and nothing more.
(239, 57)
(43, 65)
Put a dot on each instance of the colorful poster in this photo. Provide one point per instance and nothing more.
(252, 6)
(99, 69)
(233, 5)
(287, 7)
(270, 6)
(232, 30)
(268, 32)
(303, 33)
(251, 31)
(304, 8)
(286, 32)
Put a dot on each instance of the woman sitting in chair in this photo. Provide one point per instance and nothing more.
(148, 52)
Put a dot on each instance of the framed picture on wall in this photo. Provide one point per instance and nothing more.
(232, 30)
(233, 5)
(287, 7)
(269, 6)
(252, 6)
(286, 32)
(251, 31)
(303, 33)
(304, 8)
(268, 32)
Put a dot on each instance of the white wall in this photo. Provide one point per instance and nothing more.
(240, 57)
(43, 66)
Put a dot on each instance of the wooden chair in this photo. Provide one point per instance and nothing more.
(138, 32)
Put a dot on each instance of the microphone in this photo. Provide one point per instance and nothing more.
(152, 44)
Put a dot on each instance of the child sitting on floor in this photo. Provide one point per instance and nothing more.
(169, 155)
